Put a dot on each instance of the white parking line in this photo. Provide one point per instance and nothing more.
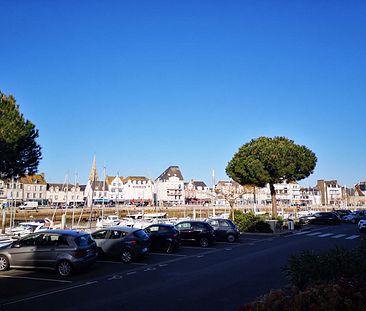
(324, 235)
(164, 254)
(49, 293)
(303, 232)
(315, 233)
(338, 236)
(35, 279)
(139, 264)
(352, 237)
(197, 248)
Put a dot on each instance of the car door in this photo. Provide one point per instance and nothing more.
(185, 231)
(45, 253)
(220, 229)
(100, 238)
(155, 240)
(23, 251)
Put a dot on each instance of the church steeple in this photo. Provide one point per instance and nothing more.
(93, 176)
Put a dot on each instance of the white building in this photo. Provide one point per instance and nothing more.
(114, 185)
(331, 192)
(138, 190)
(169, 187)
(197, 192)
(60, 194)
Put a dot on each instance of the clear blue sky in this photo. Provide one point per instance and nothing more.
(148, 84)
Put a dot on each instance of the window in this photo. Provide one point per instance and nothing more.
(100, 234)
(153, 229)
(224, 223)
(116, 234)
(84, 240)
(30, 240)
(184, 226)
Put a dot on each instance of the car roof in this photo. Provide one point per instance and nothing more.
(192, 222)
(124, 228)
(66, 232)
(161, 225)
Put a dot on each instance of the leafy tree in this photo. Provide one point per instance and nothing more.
(268, 160)
(19, 151)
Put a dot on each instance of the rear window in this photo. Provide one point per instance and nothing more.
(140, 234)
(84, 240)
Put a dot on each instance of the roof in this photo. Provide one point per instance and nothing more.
(170, 172)
(143, 178)
(124, 228)
(66, 232)
(199, 184)
(109, 179)
(62, 187)
(33, 179)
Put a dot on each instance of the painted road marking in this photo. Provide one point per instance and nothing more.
(315, 233)
(338, 236)
(164, 254)
(198, 248)
(352, 237)
(325, 235)
(130, 273)
(303, 232)
(49, 293)
(139, 264)
(35, 279)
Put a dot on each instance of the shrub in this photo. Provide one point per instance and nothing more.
(309, 267)
(249, 222)
(342, 295)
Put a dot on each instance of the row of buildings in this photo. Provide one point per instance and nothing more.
(170, 189)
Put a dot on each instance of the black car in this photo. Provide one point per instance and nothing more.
(225, 230)
(196, 231)
(124, 243)
(325, 218)
(163, 237)
(342, 212)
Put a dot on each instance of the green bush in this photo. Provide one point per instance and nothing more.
(310, 267)
(248, 222)
(341, 295)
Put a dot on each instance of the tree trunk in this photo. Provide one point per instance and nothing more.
(274, 201)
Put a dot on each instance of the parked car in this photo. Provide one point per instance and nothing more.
(225, 229)
(325, 218)
(125, 243)
(362, 224)
(196, 231)
(354, 217)
(304, 220)
(163, 237)
(342, 212)
(63, 250)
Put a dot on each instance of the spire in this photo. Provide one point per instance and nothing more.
(93, 176)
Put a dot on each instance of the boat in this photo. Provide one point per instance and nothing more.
(108, 221)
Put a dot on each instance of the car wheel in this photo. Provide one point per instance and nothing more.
(204, 242)
(4, 263)
(126, 256)
(230, 238)
(64, 268)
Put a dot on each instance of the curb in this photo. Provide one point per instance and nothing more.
(267, 234)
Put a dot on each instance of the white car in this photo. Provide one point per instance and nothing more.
(362, 225)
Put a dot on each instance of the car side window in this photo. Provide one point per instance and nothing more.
(153, 229)
(48, 240)
(62, 241)
(214, 223)
(223, 223)
(184, 226)
(100, 234)
(116, 234)
(30, 240)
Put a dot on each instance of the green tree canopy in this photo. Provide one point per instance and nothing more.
(268, 160)
(19, 151)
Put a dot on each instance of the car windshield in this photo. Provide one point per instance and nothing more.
(84, 240)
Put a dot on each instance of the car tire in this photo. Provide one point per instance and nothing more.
(204, 242)
(64, 268)
(4, 263)
(230, 238)
(126, 256)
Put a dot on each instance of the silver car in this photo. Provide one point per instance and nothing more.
(62, 250)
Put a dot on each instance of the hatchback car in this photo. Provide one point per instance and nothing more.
(63, 250)
(225, 229)
(362, 224)
(124, 243)
(196, 231)
(354, 217)
(325, 218)
(163, 237)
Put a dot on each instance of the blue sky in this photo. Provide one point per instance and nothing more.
(148, 84)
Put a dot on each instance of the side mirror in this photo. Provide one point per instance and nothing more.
(17, 245)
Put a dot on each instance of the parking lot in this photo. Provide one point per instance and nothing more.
(17, 285)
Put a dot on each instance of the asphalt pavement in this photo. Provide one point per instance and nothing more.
(220, 277)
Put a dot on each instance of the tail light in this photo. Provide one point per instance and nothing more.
(79, 253)
(133, 242)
